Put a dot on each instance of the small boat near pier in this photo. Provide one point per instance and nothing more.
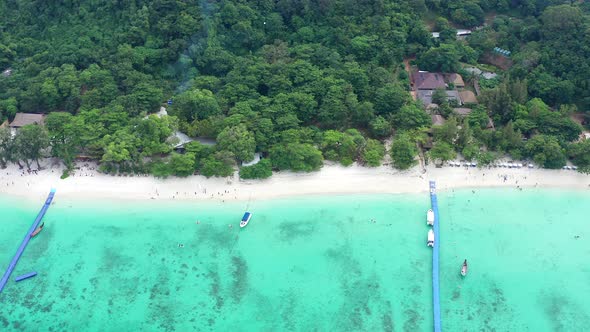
(430, 217)
(245, 219)
(430, 241)
(39, 229)
(25, 276)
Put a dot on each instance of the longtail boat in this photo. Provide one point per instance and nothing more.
(37, 230)
(464, 268)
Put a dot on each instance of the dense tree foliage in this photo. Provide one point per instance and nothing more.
(298, 82)
(261, 170)
(580, 153)
(546, 151)
(403, 151)
(373, 153)
(442, 151)
(25, 147)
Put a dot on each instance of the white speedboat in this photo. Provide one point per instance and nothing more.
(245, 219)
(430, 217)
(430, 241)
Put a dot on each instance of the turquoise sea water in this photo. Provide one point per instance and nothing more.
(337, 263)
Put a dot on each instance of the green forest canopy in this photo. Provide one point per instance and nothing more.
(288, 78)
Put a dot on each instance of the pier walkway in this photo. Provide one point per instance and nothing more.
(435, 253)
(26, 240)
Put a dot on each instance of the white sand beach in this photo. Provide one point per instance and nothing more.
(331, 179)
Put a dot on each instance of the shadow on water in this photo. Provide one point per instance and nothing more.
(562, 313)
(239, 278)
(489, 311)
(363, 307)
(293, 230)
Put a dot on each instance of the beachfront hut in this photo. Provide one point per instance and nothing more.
(179, 140)
(456, 80)
(424, 80)
(467, 97)
(23, 119)
(462, 111)
(437, 120)
(425, 96)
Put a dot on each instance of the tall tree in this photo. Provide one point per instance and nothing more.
(31, 141)
(444, 58)
(195, 105)
(65, 133)
(442, 151)
(403, 151)
(390, 98)
(6, 144)
(546, 151)
(411, 117)
(239, 141)
(299, 157)
(580, 154)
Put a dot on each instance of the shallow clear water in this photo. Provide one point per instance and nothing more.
(311, 263)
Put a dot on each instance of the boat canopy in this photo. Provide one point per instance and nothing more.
(246, 216)
(430, 216)
(431, 235)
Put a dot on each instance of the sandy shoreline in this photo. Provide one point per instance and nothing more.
(332, 179)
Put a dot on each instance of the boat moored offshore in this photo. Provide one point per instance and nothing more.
(430, 241)
(430, 217)
(464, 268)
(245, 219)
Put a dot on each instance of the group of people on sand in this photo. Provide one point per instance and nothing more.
(29, 172)
(85, 168)
(195, 193)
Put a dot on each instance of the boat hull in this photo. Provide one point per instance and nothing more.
(37, 231)
(430, 218)
(245, 219)
(430, 241)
